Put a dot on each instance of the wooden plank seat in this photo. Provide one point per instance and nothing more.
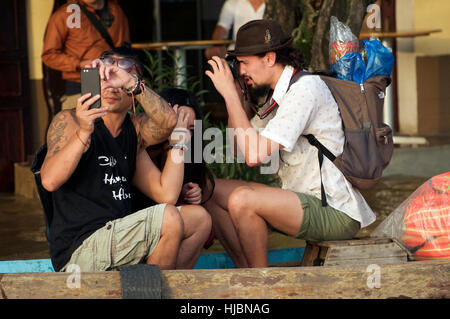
(363, 251)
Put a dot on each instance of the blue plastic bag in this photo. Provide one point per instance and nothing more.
(350, 67)
(380, 59)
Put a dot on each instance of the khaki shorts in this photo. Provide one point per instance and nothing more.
(124, 241)
(324, 223)
(69, 101)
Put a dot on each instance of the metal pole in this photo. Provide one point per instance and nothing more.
(157, 19)
(388, 108)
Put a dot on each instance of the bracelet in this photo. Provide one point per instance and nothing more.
(85, 144)
(137, 89)
(179, 146)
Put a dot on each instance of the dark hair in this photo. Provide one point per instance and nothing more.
(182, 97)
(289, 56)
(127, 52)
(193, 172)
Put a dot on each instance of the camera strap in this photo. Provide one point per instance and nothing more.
(98, 25)
(270, 104)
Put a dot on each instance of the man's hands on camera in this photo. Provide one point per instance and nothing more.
(221, 76)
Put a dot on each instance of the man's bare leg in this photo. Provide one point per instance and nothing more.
(197, 227)
(223, 226)
(166, 252)
(253, 206)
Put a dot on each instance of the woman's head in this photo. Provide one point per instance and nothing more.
(184, 99)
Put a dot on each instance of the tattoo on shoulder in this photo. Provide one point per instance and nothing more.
(56, 132)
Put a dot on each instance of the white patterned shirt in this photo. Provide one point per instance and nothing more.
(236, 13)
(309, 108)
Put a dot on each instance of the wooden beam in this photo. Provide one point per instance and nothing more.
(430, 279)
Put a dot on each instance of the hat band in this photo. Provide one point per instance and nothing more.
(259, 48)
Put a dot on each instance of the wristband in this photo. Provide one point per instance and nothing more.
(137, 89)
(85, 144)
(179, 146)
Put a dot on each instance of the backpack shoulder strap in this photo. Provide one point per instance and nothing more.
(311, 138)
(98, 25)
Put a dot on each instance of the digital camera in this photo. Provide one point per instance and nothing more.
(233, 63)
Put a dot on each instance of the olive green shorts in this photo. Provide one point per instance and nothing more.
(124, 241)
(324, 223)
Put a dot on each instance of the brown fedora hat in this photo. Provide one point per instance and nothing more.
(259, 36)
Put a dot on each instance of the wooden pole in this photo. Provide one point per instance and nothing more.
(430, 279)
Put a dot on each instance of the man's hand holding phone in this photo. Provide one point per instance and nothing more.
(87, 115)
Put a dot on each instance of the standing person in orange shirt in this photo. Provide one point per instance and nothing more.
(72, 41)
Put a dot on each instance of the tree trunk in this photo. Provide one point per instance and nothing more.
(309, 23)
(287, 12)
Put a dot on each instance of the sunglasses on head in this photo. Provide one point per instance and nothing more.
(124, 64)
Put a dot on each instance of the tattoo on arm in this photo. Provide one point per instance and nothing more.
(158, 121)
(56, 133)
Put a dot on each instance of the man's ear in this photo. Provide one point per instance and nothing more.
(271, 58)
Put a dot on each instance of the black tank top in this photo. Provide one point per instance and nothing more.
(97, 192)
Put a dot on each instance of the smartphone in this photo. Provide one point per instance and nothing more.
(90, 83)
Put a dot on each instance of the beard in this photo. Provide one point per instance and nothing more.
(257, 94)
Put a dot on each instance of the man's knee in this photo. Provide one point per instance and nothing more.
(197, 216)
(172, 222)
(239, 201)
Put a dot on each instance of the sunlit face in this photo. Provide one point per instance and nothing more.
(253, 69)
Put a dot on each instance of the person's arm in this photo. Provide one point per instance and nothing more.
(68, 138)
(164, 186)
(53, 54)
(255, 147)
(219, 33)
(223, 26)
(240, 83)
(158, 121)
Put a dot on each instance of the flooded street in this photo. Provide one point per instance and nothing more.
(22, 227)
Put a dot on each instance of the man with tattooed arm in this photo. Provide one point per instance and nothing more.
(94, 154)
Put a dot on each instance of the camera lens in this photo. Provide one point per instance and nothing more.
(233, 63)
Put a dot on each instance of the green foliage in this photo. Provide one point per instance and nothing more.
(304, 42)
(163, 71)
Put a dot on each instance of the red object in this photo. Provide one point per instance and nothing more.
(427, 220)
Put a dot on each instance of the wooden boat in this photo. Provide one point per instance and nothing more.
(342, 274)
(277, 257)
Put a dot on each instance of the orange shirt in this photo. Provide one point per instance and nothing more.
(65, 47)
